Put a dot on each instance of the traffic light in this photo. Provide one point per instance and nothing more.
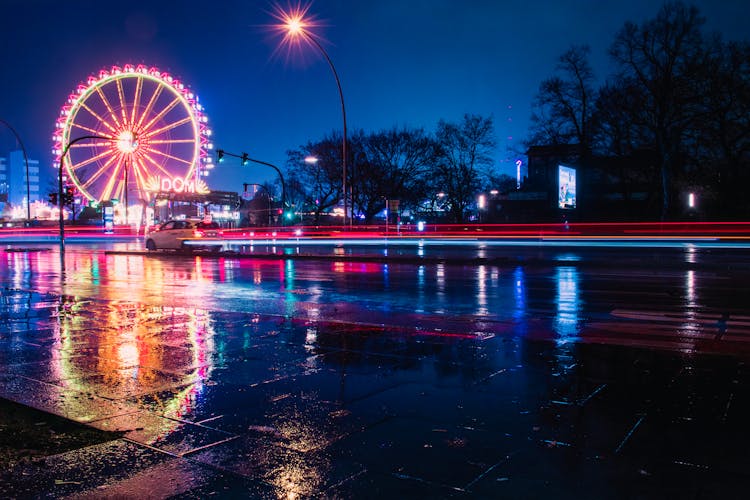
(68, 195)
(219, 156)
(53, 199)
(245, 159)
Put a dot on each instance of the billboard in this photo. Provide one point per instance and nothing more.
(566, 178)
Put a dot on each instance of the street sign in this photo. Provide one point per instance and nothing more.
(109, 217)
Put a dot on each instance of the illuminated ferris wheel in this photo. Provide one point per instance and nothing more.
(158, 132)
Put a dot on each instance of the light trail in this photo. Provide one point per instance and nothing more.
(620, 235)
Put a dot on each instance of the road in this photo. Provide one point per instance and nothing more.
(680, 296)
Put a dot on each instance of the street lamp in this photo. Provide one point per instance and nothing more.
(296, 27)
(26, 161)
(481, 205)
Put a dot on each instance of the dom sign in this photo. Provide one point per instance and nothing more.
(177, 185)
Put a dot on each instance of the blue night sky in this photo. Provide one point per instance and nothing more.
(401, 62)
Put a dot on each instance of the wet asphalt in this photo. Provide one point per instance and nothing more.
(551, 374)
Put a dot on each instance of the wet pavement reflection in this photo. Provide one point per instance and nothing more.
(278, 378)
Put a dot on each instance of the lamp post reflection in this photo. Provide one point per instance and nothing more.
(566, 322)
(482, 291)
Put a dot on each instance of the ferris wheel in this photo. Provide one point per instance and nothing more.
(153, 128)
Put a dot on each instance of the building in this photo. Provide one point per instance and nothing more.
(563, 185)
(13, 186)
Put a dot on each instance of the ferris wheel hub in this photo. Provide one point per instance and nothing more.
(127, 142)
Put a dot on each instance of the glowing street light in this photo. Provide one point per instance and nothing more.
(296, 29)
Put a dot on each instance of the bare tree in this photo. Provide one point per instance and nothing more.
(660, 57)
(721, 139)
(398, 161)
(563, 107)
(464, 158)
(316, 185)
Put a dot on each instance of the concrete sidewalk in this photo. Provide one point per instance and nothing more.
(239, 404)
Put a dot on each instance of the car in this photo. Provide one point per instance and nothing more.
(208, 229)
(185, 235)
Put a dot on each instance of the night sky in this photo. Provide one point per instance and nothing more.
(401, 62)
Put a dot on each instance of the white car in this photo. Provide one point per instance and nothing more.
(185, 235)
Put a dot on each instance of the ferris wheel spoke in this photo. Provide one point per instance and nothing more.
(123, 106)
(107, 105)
(87, 129)
(101, 119)
(91, 160)
(170, 126)
(163, 112)
(136, 98)
(98, 173)
(149, 106)
(79, 145)
(157, 166)
(118, 177)
(109, 187)
(171, 141)
(94, 178)
(139, 169)
(167, 155)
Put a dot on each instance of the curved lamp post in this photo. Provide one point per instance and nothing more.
(296, 27)
(26, 161)
(132, 142)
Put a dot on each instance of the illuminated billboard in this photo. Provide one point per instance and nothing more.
(566, 178)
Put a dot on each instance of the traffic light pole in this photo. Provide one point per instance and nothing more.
(220, 153)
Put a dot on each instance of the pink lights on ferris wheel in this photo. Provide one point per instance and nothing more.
(157, 126)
